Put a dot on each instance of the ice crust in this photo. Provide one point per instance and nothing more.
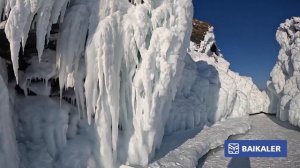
(284, 85)
(9, 155)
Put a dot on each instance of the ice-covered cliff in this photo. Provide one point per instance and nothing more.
(284, 85)
(208, 90)
(119, 60)
(124, 68)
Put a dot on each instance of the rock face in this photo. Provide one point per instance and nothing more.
(203, 37)
(209, 91)
(284, 85)
(199, 31)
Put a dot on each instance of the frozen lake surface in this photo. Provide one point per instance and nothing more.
(262, 127)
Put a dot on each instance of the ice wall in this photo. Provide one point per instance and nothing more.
(44, 127)
(9, 156)
(209, 91)
(132, 77)
(284, 85)
(133, 54)
(134, 60)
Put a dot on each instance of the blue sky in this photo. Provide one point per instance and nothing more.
(245, 31)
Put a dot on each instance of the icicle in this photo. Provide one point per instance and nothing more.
(20, 19)
(43, 21)
(59, 9)
(14, 29)
(70, 46)
(79, 86)
(26, 31)
(46, 82)
(130, 47)
(126, 45)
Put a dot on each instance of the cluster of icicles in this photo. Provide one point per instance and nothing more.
(122, 59)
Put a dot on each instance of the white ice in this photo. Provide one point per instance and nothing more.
(209, 91)
(71, 43)
(284, 85)
(134, 60)
(126, 44)
(21, 14)
(132, 77)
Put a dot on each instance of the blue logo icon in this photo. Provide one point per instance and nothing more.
(255, 148)
(233, 148)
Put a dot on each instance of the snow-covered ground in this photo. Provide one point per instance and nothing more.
(262, 127)
(188, 153)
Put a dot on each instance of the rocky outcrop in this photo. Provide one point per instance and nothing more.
(199, 31)
(204, 39)
(284, 84)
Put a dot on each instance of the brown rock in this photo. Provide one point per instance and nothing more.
(199, 30)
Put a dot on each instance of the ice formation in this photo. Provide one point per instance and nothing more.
(42, 129)
(40, 71)
(21, 14)
(209, 91)
(133, 54)
(2, 24)
(188, 154)
(130, 89)
(70, 50)
(284, 85)
(9, 156)
(126, 67)
(51, 134)
(71, 43)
